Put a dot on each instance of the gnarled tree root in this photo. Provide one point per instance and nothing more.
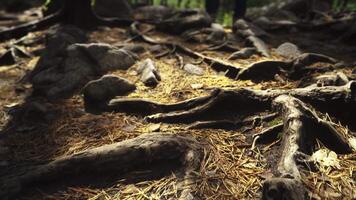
(233, 125)
(339, 101)
(301, 129)
(117, 158)
(259, 71)
(146, 107)
(230, 70)
(335, 100)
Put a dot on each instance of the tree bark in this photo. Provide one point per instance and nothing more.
(117, 158)
(301, 129)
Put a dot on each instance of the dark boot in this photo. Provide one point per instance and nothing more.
(240, 9)
(212, 7)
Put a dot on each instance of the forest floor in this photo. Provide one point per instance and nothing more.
(231, 170)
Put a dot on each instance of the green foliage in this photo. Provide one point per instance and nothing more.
(350, 6)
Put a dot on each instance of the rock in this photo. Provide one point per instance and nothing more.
(217, 35)
(246, 29)
(57, 41)
(107, 57)
(184, 20)
(217, 26)
(243, 53)
(148, 72)
(99, 92)
(113, 8)
(193, 69)
(74, 66)
(260, 45)
(152, 13)
(288, 50)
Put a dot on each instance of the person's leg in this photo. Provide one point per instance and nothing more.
(240, 9)
(212, 7)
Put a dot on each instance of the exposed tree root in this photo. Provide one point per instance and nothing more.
(233, 125)
(293, 69)
(301, 126)
(299, 138)
(117, 158)
(260, 71)
(230, 70)
(146, 107)
(336, 100)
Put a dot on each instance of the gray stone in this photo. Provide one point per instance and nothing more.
(106, 56)
(149, 75)
(113, 8)
(184, 20)
(193, 69)
(288, 50)
(152, 13)
(243, 28)
(76, 65)
(106, 88)
(57, 41)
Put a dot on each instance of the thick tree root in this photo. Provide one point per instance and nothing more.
(233, 125)
(117, 158)
(300, 129)
(336, 100)
(146, 107)
(299, 138)
(293, 69)
(260, 71)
